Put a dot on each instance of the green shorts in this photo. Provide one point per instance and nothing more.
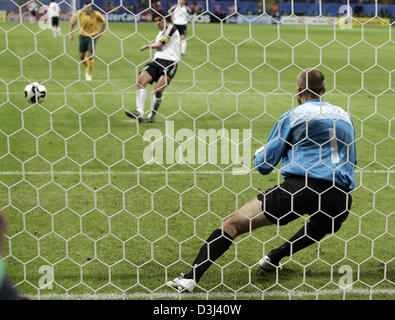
(87, 44)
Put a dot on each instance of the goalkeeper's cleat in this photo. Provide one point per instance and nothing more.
(149, 119)
(135, 115)
(182, 284)
(265, 264)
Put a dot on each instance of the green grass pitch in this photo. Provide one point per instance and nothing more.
(78, 196)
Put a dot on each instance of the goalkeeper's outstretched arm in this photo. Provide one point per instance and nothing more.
(269, 155)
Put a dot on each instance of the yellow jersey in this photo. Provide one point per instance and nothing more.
(88, 22)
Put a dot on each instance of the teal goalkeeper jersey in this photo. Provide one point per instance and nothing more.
(316, 139)
(2, 271)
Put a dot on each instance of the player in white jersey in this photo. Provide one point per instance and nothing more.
(34, 7)
(161, 70)
(179, 15)
(53, 16)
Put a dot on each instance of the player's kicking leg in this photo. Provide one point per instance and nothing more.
(163, 81)
(246, 219)
(141, 96)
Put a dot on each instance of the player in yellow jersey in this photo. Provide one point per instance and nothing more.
(88, 21)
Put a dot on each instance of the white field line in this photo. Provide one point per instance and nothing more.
(195, 85)
(174, 80)
(184, 81)
(228, 295)
(209, 93)
(141, 172)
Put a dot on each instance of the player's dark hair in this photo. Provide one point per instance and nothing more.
(161, 14)
(313, 81)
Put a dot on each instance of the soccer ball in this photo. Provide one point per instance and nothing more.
(35, 92)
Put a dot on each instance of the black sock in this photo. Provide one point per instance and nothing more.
(155, 107)
(302, 239)
(218, 242)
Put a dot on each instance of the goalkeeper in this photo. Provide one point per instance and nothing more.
(315, 143)
(7, 292)
(88, 20)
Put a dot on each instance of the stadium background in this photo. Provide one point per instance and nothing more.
(361, 8)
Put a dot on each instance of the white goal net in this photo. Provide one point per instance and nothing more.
(101, 206)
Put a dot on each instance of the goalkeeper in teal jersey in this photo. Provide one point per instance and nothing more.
(7, 292)
(315, 143)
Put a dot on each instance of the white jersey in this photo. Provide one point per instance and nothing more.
(170, 37)
(180, 15)
(53, 10)
(33, 6)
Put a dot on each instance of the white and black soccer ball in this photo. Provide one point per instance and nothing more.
(35, 92)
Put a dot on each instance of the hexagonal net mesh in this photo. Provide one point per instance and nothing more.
(100, 205)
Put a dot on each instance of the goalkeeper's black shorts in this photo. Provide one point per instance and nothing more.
(327, 205)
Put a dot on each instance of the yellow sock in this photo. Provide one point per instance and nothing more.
(91, 62)
(85, 62)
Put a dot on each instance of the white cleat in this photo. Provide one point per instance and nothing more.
(88, 77)
(265, 264)
(181, 284)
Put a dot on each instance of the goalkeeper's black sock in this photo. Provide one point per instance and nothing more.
(215, 246)
(302, 239)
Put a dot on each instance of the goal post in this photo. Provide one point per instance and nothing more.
(100, 206)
